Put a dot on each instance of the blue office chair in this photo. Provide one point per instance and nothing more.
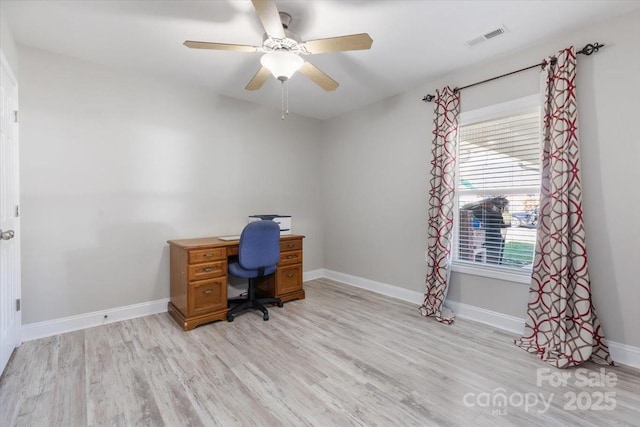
(258, 255)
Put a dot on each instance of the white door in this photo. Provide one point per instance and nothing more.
(10, 320)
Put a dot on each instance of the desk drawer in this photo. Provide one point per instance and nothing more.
(288, 258)
(208, 270)
(289, 279)
(290, 245)
(206, 255)
(206, 296)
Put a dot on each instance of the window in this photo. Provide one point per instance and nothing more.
(498, 190)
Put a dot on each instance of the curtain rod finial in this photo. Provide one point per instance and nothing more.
(590, 48)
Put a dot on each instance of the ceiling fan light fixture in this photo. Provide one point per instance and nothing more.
(282, 64)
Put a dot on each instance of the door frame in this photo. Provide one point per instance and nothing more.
(15, 337)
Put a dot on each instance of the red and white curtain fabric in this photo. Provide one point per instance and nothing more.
(561, 325)
(441, 204)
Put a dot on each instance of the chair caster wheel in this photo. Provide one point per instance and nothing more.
(265, 317)
(230, 317)
(280, 304)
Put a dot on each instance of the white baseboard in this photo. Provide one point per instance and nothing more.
(621, 353)
(488, 317)
(32, 331)
(312, 275)
(624, 354)
(377, 287)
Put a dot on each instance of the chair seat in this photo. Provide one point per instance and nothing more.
(236, 270)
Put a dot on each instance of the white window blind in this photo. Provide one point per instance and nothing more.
(499, 191)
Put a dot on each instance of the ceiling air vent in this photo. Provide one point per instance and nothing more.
(487, 36)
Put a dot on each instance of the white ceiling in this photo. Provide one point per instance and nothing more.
(414, 41)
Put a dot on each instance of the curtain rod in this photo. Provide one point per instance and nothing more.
(587, 50)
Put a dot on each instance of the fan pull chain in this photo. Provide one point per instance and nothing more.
(282, 104)
(286, 89)
(285, 99)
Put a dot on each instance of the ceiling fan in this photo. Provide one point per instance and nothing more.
(283, 49)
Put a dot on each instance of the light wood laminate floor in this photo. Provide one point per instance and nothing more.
(343, 356)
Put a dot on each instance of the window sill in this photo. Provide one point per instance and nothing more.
(492, 272)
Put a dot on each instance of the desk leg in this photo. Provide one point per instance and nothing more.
(193, 322)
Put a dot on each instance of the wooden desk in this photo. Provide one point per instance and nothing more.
(199, 277)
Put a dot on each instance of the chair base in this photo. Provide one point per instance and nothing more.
(255, 303)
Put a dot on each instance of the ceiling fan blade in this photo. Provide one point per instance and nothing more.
(258, 80)
(318, 76)
(270, 17)
(340, 44)
(220, 46)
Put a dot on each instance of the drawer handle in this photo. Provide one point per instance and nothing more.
(207, 255)
(208, 269)
(291, 256)
(208, 291)
(290, 275)
(290, 245)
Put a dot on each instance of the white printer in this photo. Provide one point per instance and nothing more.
(284, 221)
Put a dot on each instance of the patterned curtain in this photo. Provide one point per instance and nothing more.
(561, 325)
(441, 192)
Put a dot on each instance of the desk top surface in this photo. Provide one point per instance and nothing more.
(208, 242)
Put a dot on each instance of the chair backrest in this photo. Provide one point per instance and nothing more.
(259, 245)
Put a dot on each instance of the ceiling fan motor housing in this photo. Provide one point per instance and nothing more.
(292, 42)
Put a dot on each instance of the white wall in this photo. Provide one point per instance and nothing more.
(8, 45)
(113, 165)
(375, 178)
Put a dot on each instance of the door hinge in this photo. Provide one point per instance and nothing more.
(17, 211)
(18, 304)
(15, 116)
